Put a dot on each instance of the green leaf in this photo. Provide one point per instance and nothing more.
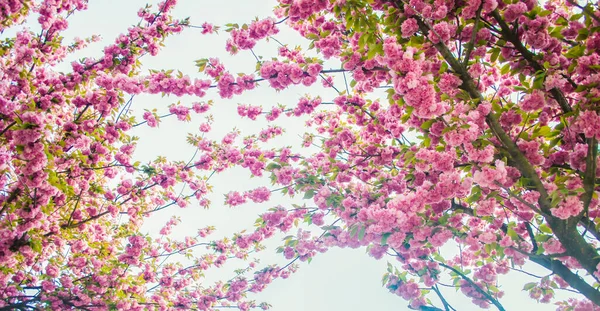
(374, 49)
(495, 53)
(36, 245)
(543, 131)
(385, 279)
(544, 13)
(475, 195)
(53, 178)
(543, 238)
(488, 248)
(443, 67)
(529, 286)
(427, 141)
(438, 257)
(384, 238)
(538, 81)
(308, 219)
(575, 52)
(555, 199)
(353, 230)
(512, 234)
(554, 142)
(361, 234)
(309, 194)
(544, 228)
(427, 124)
(273, 166)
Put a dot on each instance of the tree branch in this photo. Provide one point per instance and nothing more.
(585, 10)
(447, 306)
(565, 231)
(471, 43)
(590, 227)
(519, 198)
(571, 278)
(589, 177)
(489, 297)
(511, 37)
(8, 127)
(532, 237)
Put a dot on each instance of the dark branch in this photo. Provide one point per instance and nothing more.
(487, 296)
(571, 278)
(512, 37)
(590, 173)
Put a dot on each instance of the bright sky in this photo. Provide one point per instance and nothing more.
(346, 279)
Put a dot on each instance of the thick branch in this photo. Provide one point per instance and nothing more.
(565, 231)
(571, 278)
(469, 86)
(589, 177)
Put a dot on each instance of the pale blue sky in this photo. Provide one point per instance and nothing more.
(347, 280)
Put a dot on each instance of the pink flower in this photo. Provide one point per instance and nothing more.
(52, 270)
(488, 176)
(234, 198)
(487, 237)
(486, 207)
(317, 219)
(588, 123)
(514, 11)
(289, 253)
(181, 202)
(181, 112)
(533, 101)
(440, 238)
(314, 69)
(442, 32)
(553, 246)
(571, 207)
(205, 127)
(207, 28)
(150, 119)
(200, 107)
(449, 84)
(409, 27)
(259, 195)
(48, 286)
(409, 291)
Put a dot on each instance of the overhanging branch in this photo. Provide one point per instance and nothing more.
(571, 278)
(566, 232)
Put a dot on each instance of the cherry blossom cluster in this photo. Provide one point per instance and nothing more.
(470, 124)
(245, 38)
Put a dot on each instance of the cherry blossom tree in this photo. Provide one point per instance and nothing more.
(462, 146)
